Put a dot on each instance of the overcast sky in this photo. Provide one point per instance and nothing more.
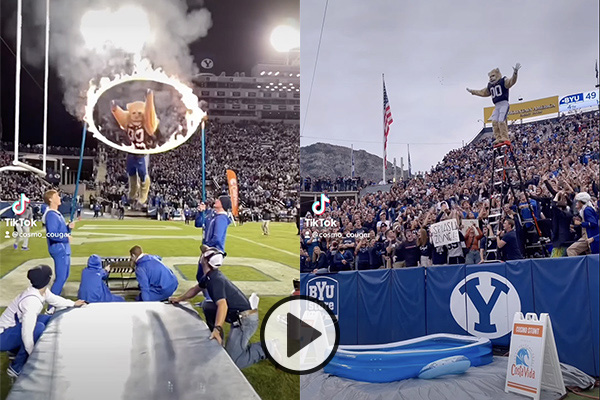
(430, 52)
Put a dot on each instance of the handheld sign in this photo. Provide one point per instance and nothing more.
(445, 232)
(533, 360)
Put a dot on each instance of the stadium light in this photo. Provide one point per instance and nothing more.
(291, 74)
(280, 83)
(262, 73)
(129, 29)
(258, 86)
(285, 38)
(297, 75)
(276, 73)
(270, 72)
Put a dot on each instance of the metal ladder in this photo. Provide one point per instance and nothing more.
(505, 176)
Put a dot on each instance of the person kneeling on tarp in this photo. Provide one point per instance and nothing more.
(228, 305)
(93, 287)
(157, 282)
(21, 324)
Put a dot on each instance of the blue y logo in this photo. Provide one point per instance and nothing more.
(480, 304)
(484, 309)
(318, 206)
(20, 205)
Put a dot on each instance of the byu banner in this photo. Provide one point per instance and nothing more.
(389, 305)
(338, 291)
(445, 232)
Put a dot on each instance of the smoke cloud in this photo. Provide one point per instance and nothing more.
(173, 24)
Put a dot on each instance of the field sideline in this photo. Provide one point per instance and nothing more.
(256, 263)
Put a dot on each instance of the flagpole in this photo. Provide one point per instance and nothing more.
(351, 160)
(383, 126)
(409, 166)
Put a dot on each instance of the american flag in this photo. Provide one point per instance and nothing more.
(387, 121)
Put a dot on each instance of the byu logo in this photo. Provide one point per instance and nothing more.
(489, 299)
(318, 206)
(207, 63)
(20, 205)
(324, 289)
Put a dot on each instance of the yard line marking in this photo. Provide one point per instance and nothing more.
(266, 245)
(16, 280)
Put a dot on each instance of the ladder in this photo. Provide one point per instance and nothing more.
(506, 176)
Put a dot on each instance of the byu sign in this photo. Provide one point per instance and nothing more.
(325, 289)
(490, 300)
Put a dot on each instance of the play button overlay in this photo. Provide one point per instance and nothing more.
(300, 334)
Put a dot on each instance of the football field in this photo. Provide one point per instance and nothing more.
(256, 263)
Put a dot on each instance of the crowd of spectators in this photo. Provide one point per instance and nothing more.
(12, 184)
(558, 160)
(57, 150)
(263, 155)
(340, 184)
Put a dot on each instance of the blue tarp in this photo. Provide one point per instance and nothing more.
(390, 305)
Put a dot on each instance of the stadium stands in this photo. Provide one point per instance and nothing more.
(555, 156)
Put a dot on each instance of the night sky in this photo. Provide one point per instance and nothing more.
(238, 39)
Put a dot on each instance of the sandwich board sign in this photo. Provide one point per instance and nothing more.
(533, 359)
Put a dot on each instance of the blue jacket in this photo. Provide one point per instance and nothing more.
(92, 288)
(590, 223)
(57, 233)
(153, 275)
(216, 231)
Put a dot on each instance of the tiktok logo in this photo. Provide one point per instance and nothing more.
(20, 205)
(318, 206)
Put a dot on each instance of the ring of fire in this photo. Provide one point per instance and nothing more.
(144, 72)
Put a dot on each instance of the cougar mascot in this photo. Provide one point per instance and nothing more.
(140, 122)
(498, 87)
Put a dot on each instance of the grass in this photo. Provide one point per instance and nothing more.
(175, 239)
(233, 272)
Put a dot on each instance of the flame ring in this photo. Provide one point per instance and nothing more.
(193, 117)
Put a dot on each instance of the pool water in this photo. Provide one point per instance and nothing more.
(403, 360)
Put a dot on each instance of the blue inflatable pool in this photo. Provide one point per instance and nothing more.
(402, 360)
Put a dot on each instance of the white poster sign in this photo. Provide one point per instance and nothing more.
(533, 359)
(466, 223)
(444, 232)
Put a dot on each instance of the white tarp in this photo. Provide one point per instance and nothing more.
(132, 351)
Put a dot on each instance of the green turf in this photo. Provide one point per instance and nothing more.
(75, 275)
(233, 272)
(247, 241)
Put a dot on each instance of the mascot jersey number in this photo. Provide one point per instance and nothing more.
(140, 122)
(498, 88)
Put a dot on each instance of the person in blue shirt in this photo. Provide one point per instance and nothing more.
(311, 241)
(215, 225)
(343, 260)
(93, 287)
(362, 253)
(58, 237)
(508, 242)
(203, 218)
(588, 219)
(157, 282)
(526, 212)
